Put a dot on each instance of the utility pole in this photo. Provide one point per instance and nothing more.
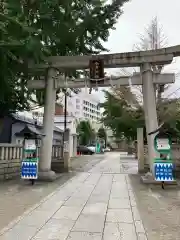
(65, 105)
(65, 109)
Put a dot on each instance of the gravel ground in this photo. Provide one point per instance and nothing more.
(17, 196)
(159, 209)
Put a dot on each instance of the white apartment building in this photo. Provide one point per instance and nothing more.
(83, 106)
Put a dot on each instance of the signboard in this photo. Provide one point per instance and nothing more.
(29, 166)
(29, 145)
(163, 171)
(29, 169)
(163, 166)
(162, 144)
(96, 70)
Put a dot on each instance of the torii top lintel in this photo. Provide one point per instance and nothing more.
(128, 59)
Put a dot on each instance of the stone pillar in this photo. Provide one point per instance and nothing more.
(45, 172)
(140, 149)
(149, 109)
(66, 150)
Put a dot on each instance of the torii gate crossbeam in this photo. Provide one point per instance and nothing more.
(128, 59)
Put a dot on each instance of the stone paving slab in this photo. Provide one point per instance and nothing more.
(37, 218)
(84, 236)
(98, 198)
(50, 206)
(68, 213)
(96, 205)
(119, 203)
(95, 209)
(19, 232)
(119, 216)
(89, 223)
(122, 231)
(55, 229)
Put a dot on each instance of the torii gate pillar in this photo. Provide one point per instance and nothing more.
(150, 112)
(45, 172)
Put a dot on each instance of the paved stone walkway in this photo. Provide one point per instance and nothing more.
(20, 190)
(94, 205)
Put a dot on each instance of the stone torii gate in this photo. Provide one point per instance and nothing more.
(144, 59)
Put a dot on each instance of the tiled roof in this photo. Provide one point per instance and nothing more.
(31, 121)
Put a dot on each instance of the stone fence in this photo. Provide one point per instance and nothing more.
(175, 157)
(11, 157)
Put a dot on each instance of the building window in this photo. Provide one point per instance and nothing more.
(77, 100)
(77, 107)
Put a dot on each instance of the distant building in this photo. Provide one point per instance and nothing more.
(11, 127)
(83, 106)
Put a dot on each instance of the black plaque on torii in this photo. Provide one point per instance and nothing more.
(96, 68)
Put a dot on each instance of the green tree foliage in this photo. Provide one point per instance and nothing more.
(121, 117)
(13, 36)
(168, 111)
(19, 42)
(102, 134)
(85, 133)
(31, 30)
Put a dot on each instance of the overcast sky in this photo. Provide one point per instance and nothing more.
(137, 16)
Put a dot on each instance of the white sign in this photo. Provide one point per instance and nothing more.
(163, 144)
(66, 146)
(30, 144)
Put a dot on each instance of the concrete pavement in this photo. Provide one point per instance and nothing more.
(93, 205)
